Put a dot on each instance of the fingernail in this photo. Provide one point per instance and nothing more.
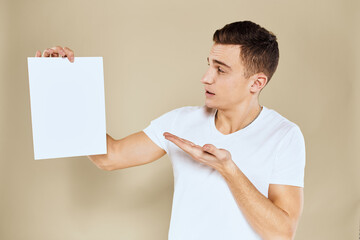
(72, 59)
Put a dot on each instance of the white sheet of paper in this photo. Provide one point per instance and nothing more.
(67, 106)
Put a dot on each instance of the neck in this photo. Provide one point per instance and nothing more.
(230, 120)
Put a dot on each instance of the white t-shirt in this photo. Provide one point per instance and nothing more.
(270, 150)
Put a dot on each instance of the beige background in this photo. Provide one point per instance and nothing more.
(154, 56)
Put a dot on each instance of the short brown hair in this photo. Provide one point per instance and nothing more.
(259, 48)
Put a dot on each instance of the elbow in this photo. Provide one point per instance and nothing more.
(283, 236)
(106, 166)
(286, 233)
(292, 227)
(107, 163)
(289, 232)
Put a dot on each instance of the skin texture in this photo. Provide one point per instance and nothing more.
(236, 99)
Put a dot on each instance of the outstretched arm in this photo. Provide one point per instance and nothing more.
(133, 150)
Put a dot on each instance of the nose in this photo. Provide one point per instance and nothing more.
(207, 78)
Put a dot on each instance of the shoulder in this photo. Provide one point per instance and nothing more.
(281, 124)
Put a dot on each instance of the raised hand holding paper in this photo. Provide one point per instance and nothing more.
(67, 106)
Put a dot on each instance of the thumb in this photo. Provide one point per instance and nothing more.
(209, 148)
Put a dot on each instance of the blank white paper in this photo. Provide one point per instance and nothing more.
(67, 101)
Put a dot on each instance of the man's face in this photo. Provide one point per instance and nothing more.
(227, 82)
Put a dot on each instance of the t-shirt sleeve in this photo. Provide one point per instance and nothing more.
(289, 165)
(158, 126)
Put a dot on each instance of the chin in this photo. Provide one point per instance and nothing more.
(210, 105)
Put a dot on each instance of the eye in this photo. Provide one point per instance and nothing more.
(219, 69)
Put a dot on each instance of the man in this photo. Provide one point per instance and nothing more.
(238, 166)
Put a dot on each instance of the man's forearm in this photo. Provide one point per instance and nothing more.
(102, 161)
(267, 219)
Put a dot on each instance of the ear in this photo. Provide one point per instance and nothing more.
(258, 82)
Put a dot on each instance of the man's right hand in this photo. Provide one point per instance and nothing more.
(56, 52)
(133, 150)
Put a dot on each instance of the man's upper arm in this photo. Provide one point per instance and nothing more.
(133, 150)
(290, 199)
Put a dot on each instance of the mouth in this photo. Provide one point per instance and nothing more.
(207, 92)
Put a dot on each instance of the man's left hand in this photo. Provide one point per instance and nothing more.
(208, 154)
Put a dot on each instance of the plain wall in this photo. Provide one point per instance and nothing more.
(154, 57)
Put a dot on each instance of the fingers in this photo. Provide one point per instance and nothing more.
(46, 53)
(187, 141)
(69, 54)
(181, 139)
(56, 52)
(38, 53)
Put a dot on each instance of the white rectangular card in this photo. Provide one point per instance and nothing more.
(67, 101)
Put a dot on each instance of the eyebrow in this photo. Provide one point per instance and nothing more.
(219, 62)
